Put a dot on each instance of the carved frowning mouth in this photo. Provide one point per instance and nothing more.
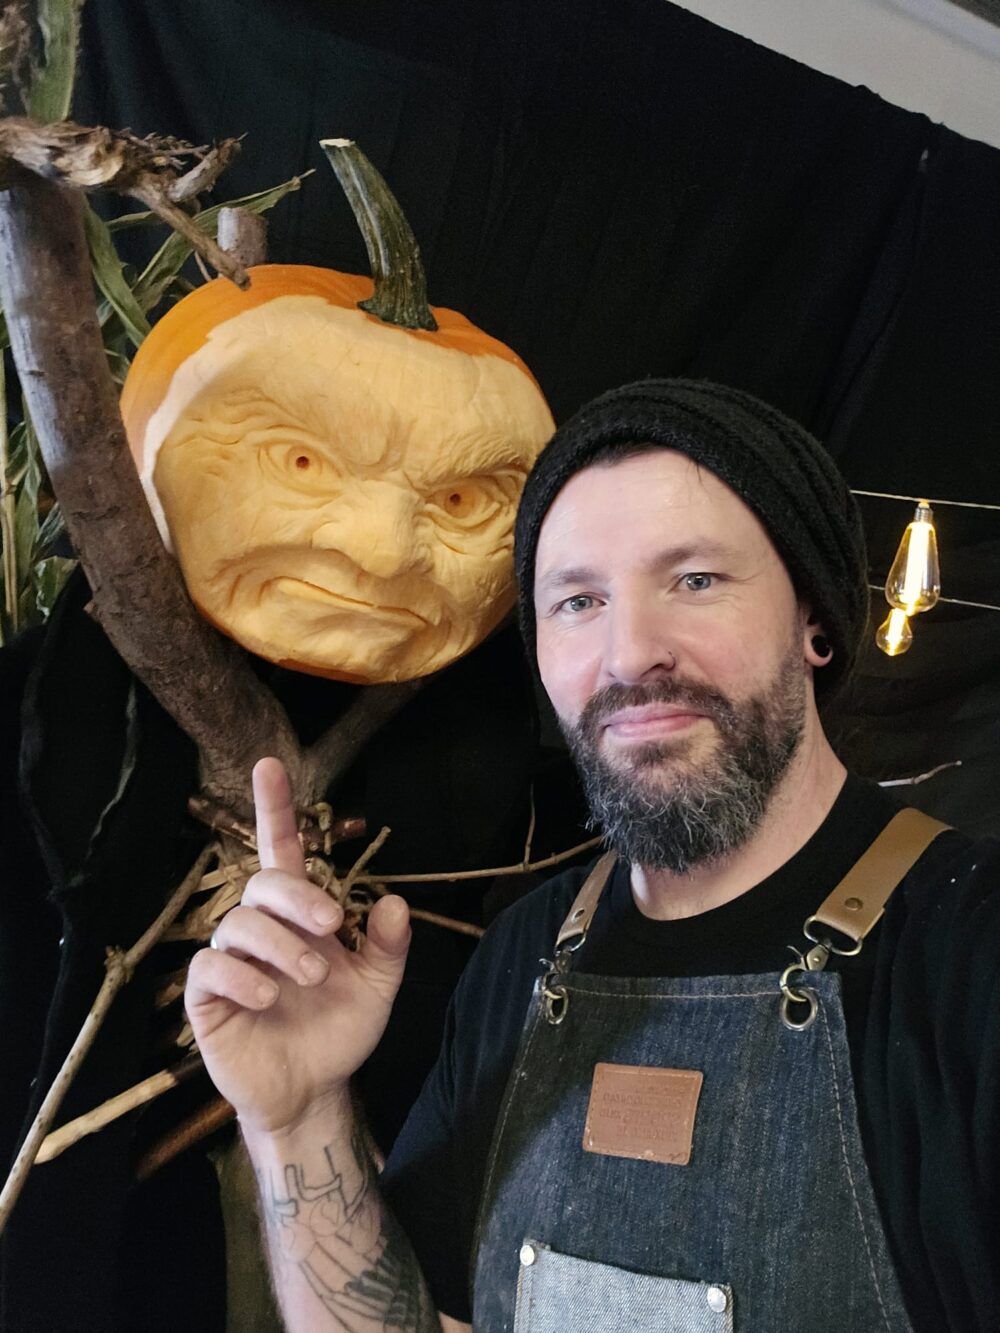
(313, 592)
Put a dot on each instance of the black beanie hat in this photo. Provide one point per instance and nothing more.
(779, 470)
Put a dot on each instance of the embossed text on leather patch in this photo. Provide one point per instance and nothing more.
(642, 1112)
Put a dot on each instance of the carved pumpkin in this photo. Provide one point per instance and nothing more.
(337, 475)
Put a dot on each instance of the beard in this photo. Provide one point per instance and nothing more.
(662, 808)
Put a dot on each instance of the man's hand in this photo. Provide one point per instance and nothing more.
(282, 1012)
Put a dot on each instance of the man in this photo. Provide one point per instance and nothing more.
(695, 1129)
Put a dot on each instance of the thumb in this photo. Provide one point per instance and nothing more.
(387, 940)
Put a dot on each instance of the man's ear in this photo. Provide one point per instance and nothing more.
(817, 647)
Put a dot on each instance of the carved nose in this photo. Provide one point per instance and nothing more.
(378, 535)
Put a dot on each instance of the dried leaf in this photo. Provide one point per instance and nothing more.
(15, 47)
(110, 278)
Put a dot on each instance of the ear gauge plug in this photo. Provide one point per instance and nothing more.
(821, 646)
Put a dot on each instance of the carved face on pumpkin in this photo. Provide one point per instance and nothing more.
(341, 493)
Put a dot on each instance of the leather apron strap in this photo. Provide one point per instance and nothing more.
(853, 907)
(581, 914)
(860, 898)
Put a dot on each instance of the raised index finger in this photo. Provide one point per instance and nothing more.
(278, 843)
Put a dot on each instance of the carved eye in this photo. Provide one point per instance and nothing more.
(466, 503)
(296, 464)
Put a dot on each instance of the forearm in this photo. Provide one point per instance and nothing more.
(338, 1257)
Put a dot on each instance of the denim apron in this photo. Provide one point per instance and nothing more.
(758, 1215)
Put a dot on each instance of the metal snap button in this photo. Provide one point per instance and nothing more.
(717, 1299)
(528, 1255)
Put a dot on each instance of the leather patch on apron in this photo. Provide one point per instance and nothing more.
(642, 1112)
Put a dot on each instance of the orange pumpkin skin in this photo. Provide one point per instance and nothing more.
(187, 325)
(511, 405)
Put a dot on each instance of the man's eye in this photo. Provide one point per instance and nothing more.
(580, 602)
(698, 582)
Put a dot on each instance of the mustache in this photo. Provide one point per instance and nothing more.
(700, 698)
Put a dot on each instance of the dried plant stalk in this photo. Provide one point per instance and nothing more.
(119, 967)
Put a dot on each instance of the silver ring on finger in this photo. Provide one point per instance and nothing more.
(213, 943)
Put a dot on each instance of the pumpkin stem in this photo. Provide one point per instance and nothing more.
(400, 295)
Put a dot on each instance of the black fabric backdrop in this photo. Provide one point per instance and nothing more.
(615, 189)
(622, 189)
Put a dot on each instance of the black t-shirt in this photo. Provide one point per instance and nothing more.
(922, 1005)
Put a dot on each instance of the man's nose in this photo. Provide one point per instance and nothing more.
(373, 528)
(639, 645)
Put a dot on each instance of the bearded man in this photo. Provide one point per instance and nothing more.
(693, 1128)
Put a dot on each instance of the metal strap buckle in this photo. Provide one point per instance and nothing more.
(796, 995)
(554, 991)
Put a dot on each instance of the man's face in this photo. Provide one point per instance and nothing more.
(340, 504)
(672, 646)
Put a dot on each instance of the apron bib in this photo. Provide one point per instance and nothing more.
(673, 1156)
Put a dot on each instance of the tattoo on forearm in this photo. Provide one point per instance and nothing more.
(347, 1245)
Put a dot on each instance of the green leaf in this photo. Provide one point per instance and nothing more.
(128, 220)
(173, 254)
(110, 278)
(26, 520)
(52, 528)
(50, 575)
(52, 82)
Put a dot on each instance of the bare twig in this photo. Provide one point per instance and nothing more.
(206, 1120)
(351, 878)
(452, 876)
(119, 967)
(319, 831)
(220, 819)
(203, 175)
(921, 777)
(435, 918)
(447, 923)
(157, 199)
(228, 880)
(531, 826)
(148, 1090)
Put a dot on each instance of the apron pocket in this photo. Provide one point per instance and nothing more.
(557, 1293)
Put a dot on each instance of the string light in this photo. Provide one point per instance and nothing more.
(913, 584)
(894, 635)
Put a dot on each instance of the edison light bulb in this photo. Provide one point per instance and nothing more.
(914, 582)
(894, 635)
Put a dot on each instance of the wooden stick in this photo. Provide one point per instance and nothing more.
(445, 922)
(331, 756)
(119, 967)
(148, 1090)
(243, 235)
(451, 876)
(201, 678)
(206, 1120)
(351, 878)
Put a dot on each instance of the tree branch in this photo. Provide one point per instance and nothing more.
(329, 758)
(202, 679)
